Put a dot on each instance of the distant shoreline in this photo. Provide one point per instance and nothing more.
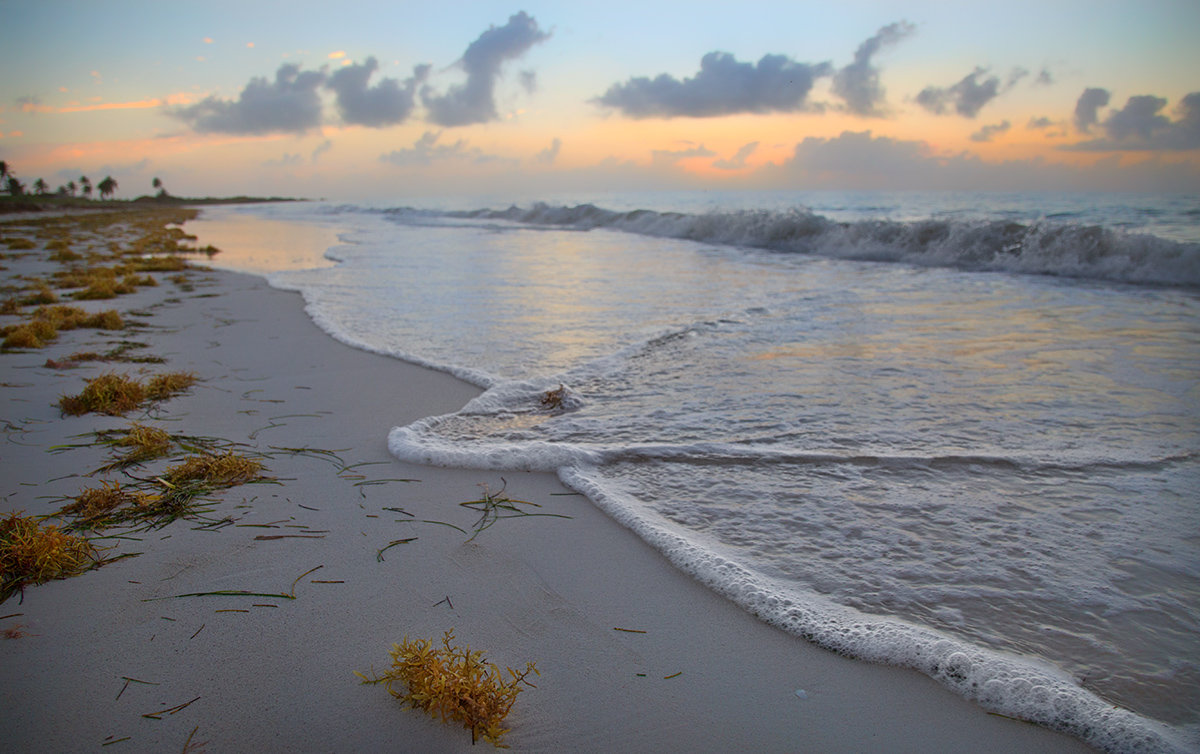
(34, 203)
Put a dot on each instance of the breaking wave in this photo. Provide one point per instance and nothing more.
(1045, 247)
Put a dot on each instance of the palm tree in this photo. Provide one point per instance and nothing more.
(40, 186)
(3, 170)
(107, 187)
(162, 191)
(86, 184)
(71, 188)
(15, 187)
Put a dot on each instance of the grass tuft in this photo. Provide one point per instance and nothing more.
(454, 683)
(34, 554)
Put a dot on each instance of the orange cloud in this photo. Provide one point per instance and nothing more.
(48, 158)
(139, 105)
(32, 106)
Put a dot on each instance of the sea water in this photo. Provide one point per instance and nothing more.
(958, 433)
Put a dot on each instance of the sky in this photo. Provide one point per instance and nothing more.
(368, 100)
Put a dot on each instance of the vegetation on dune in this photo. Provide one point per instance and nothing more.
(455, 684)
(33, 553)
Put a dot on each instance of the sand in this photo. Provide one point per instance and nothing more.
(273, 674)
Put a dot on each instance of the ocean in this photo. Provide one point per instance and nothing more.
(953, 432)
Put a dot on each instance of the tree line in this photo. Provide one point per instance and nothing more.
(12, 185)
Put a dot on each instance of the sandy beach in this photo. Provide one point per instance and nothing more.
(117, 658)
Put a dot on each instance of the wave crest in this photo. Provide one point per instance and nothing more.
(1043, 247)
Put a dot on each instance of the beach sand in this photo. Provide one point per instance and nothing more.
(274, 674)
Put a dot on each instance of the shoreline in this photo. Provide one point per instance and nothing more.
(705, 675)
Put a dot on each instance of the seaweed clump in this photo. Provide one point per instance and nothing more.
(144, 443)
(225, 470)
(97, 507)
(34, 554)
(117, 394)
(455, 684)
(48, 321)
(553, 399)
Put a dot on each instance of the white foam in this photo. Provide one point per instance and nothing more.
(1010, 685)
(1039, 247)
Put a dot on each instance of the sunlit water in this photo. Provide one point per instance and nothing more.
(936, 460)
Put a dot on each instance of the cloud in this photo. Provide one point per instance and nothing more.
(1038, 124)
(425, 151)
(670, 157)
(321, 149)
(1015, 76)
(548, 155)
(290, 104)
(31, 104)
(1044, 77)
(1141, 126)
(1087, 107)
(385, 104)
(738, 161)
(528, 81)
(723, 86)
(1140, 118)
(861, 161)
(860, 155)
(287, 160)
(858, 83)
(968, 96)
(474, 101)
(987, 132)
